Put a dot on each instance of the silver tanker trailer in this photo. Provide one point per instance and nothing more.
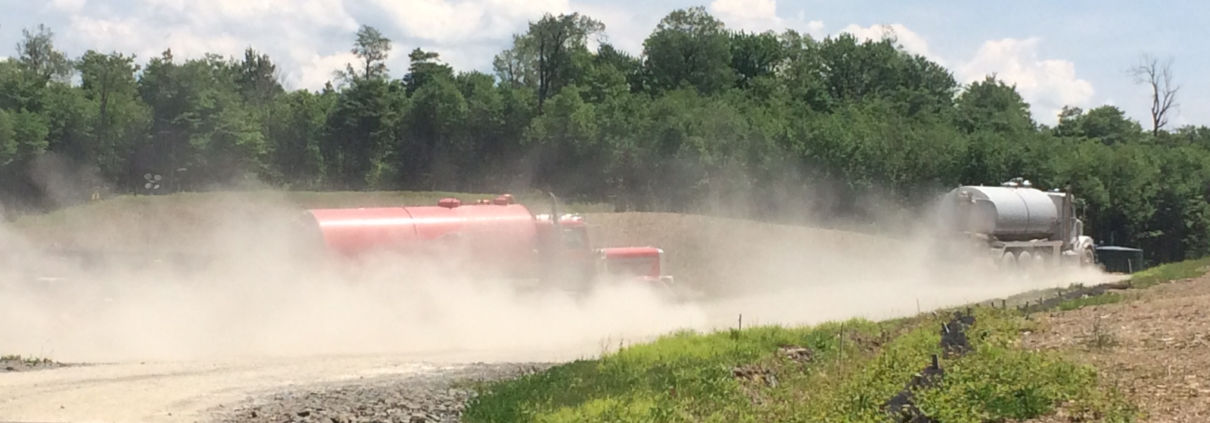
(1019, 224)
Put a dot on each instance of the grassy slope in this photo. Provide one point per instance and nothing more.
(1168, 272)
(855, 368)
(690, 376)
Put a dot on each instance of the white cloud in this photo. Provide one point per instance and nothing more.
(1047, 84)
(761, 16)
(459, 21)
(910, 40)
(625, 28)
(815, 28)
(317, 70)
(69, 6)
(754, 15)
(108, 35)
(297, 35)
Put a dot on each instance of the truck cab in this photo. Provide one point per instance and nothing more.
(573, 247)
(641, 263)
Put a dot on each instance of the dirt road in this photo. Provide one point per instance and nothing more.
(202, 391)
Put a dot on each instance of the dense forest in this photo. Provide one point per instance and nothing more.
(763, 122)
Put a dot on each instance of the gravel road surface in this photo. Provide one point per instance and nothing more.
(328, 389)
(433, 396)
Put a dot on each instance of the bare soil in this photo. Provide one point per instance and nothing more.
(1154, 347)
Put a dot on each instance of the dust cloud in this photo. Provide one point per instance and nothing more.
(243, 283)
(246, 285)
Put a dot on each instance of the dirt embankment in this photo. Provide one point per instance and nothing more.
(1154, 347)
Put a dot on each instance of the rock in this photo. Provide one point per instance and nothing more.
(797, 353)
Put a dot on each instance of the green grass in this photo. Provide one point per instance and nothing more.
(855, 368)
(1092, 300)
(1169, 272)
(1000, 381)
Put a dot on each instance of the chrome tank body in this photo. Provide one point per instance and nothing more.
(1006, 213)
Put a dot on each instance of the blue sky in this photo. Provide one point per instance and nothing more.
(1057, 53)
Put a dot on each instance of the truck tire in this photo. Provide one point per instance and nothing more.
(1087, 258)
(1008, 260)
(1025, 259)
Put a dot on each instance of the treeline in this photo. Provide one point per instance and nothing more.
(761, 122)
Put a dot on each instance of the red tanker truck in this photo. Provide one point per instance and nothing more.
(494, 236)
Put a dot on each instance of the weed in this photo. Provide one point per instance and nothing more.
(1091, 300)
(1100, 337)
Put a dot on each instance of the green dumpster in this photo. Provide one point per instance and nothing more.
(1120, 259)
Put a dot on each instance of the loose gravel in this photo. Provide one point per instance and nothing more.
(439, 395)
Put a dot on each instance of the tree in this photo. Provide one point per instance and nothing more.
(30, 131)
(424, 68)
(856, 71)
(487, 147)
(755, 55)
(8, 141)
(1158, 77)
(803, 76)
(564, 137)
(992, 105)
(257, 78)
(514, 66)
(372, 48)
(37, 55)
(543, 57)
(359, 132)
(689, 47)
(199, 122)
(108, 82)
(295, 134)
(429, 156)
(1108, 124)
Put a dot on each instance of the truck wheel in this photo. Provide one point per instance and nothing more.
(1008, 260)
(1025, 260)
(1087, 258)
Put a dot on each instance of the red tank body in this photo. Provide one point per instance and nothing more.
(496, 236)
(362, 230)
